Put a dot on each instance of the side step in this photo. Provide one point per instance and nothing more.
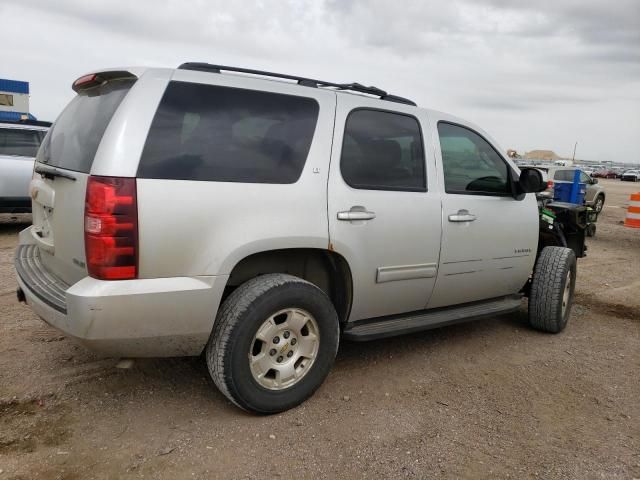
(380, 327)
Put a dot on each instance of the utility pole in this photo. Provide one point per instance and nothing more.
(574, 152)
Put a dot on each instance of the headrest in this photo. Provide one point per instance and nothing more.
(383, 154)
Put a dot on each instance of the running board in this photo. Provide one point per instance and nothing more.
(380, 327)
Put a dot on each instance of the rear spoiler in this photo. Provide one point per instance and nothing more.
(94, 79)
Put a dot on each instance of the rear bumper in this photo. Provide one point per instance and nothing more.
(15, 205)
(160, 317)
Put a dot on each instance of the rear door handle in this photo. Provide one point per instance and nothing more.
(356, 213)
(462, 216)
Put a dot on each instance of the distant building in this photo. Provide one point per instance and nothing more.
(14, 100)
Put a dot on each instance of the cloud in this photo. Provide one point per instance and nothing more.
(534, 74)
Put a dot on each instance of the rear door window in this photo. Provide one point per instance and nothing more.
(383, 151)
(74, 138)
(222, 134)
(20, 142)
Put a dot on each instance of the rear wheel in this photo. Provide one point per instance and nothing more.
(552, 289)
(273, 343)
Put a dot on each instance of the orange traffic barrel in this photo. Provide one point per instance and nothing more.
(633, 213)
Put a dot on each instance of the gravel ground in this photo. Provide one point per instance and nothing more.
(490, 399)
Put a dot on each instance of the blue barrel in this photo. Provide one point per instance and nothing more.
(562, 192)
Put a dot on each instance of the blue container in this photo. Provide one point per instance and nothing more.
(13, 86)
(562, 192)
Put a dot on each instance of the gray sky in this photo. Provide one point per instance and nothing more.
(537, 75)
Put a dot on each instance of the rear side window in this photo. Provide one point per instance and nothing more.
(20, 142)
(74, 138)
(383, 151)
(212, 133)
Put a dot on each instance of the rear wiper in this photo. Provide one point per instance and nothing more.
(52, 172)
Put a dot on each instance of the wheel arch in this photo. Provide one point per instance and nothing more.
(326, 269)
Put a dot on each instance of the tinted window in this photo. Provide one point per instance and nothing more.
(205, 132)
(383, 151)
(74, 138)
(25, 143)
(470, 163)
(564, 175)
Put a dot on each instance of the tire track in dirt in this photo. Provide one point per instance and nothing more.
(614, 309)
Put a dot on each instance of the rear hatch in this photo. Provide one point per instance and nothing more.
(62, 170)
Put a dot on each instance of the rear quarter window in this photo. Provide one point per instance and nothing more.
(212, 133)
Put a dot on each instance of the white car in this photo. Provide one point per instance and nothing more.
(19, 143)
(631, 176)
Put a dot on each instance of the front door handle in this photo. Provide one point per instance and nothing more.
(462, 216)
(356, 213)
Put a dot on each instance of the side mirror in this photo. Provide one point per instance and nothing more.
(594, 181)
(530, 181)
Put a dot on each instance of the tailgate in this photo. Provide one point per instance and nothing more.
(58, 224)
(61, 172)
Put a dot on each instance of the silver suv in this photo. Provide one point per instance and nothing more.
(260, 220)
(595, 194)
(19, 143)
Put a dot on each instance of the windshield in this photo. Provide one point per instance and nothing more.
(75, 136)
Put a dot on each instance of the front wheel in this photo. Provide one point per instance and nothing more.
(598, 205)
(273, 343)
(552, 289)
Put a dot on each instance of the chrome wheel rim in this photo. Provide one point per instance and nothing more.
(566, 295)
(284, 348)
(599, 204)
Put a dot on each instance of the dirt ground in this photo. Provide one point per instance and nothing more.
(490, 399)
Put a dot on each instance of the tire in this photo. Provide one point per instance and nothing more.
(254, 309)
(598, 203)
(549, 289)
(591, 230)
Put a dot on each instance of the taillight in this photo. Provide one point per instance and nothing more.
(95, 79)
(549, 184)
(111, 228)
(86, 81)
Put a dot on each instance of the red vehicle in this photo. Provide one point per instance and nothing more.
(606, 173)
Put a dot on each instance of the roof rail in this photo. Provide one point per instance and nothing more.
(307, 82)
